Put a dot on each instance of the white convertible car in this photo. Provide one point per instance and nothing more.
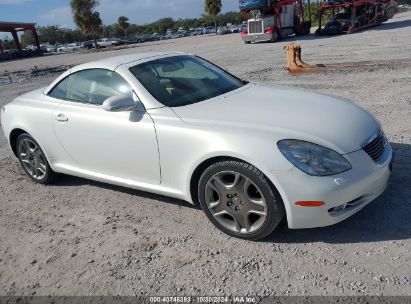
(177, 125)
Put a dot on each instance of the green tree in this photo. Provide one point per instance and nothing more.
(213, 8)
(6, 44)
(27, 39)
(163, 24)
(231, 17)
(86, 18)
(123, 24)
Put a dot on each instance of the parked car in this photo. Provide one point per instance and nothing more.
(51, 48)
(87, 44)
(106, 42)
(184, 33)
(69, 47)
(43, 48)
(192, 31)
(222, 30)
(243, 27)
(234, 29)
(119, 41)
(62, 48)
(173, 35)
(135, 39)
(288, 152)
(156, 36)
(338, 23)
(209, 30)
(199, 31)
(148, 38)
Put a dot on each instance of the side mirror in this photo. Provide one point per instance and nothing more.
(121, 103)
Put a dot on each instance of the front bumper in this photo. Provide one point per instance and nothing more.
(346, 193)
(257, 37)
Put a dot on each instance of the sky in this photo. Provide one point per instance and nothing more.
(58, 12)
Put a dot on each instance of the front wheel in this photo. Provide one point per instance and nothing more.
(33, 160)
(275, 36)
(239, 200)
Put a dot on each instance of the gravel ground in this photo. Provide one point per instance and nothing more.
(81, 237)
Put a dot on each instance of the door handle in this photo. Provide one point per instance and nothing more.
(61, 117)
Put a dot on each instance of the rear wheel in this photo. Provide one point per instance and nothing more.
(33, 160)
(306, 27)
(239, 200)
(390, 12)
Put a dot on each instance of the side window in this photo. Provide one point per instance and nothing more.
(59, 91)
(95, 86)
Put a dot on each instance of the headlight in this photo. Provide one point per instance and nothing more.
(313, 159)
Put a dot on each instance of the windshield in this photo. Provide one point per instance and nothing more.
(183, 80)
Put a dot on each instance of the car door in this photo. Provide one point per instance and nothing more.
(118, 144)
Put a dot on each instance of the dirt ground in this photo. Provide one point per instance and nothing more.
(81, 237)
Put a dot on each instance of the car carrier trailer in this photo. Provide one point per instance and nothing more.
(274, 19)
(348, 16)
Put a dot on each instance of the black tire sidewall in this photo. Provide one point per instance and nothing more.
(275, 36)
(50, 175)
(390, 13)
(275, 207)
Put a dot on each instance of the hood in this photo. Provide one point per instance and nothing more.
(287, 113)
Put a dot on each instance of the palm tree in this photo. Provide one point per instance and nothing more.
(86, 18)
(213, 8)
(123, 23)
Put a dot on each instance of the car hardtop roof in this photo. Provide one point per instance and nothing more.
(112, 63)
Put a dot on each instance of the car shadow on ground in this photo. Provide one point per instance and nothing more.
(385, 219)
(293, 38)
(311, 36)
(392, 25)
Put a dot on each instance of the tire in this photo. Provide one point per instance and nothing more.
(251, 214)
(33, 160)
(390, 12)
(247, 42)
(306, 28)
(275, 36)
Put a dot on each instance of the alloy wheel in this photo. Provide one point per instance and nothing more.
(32, 158)
(236, 202)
